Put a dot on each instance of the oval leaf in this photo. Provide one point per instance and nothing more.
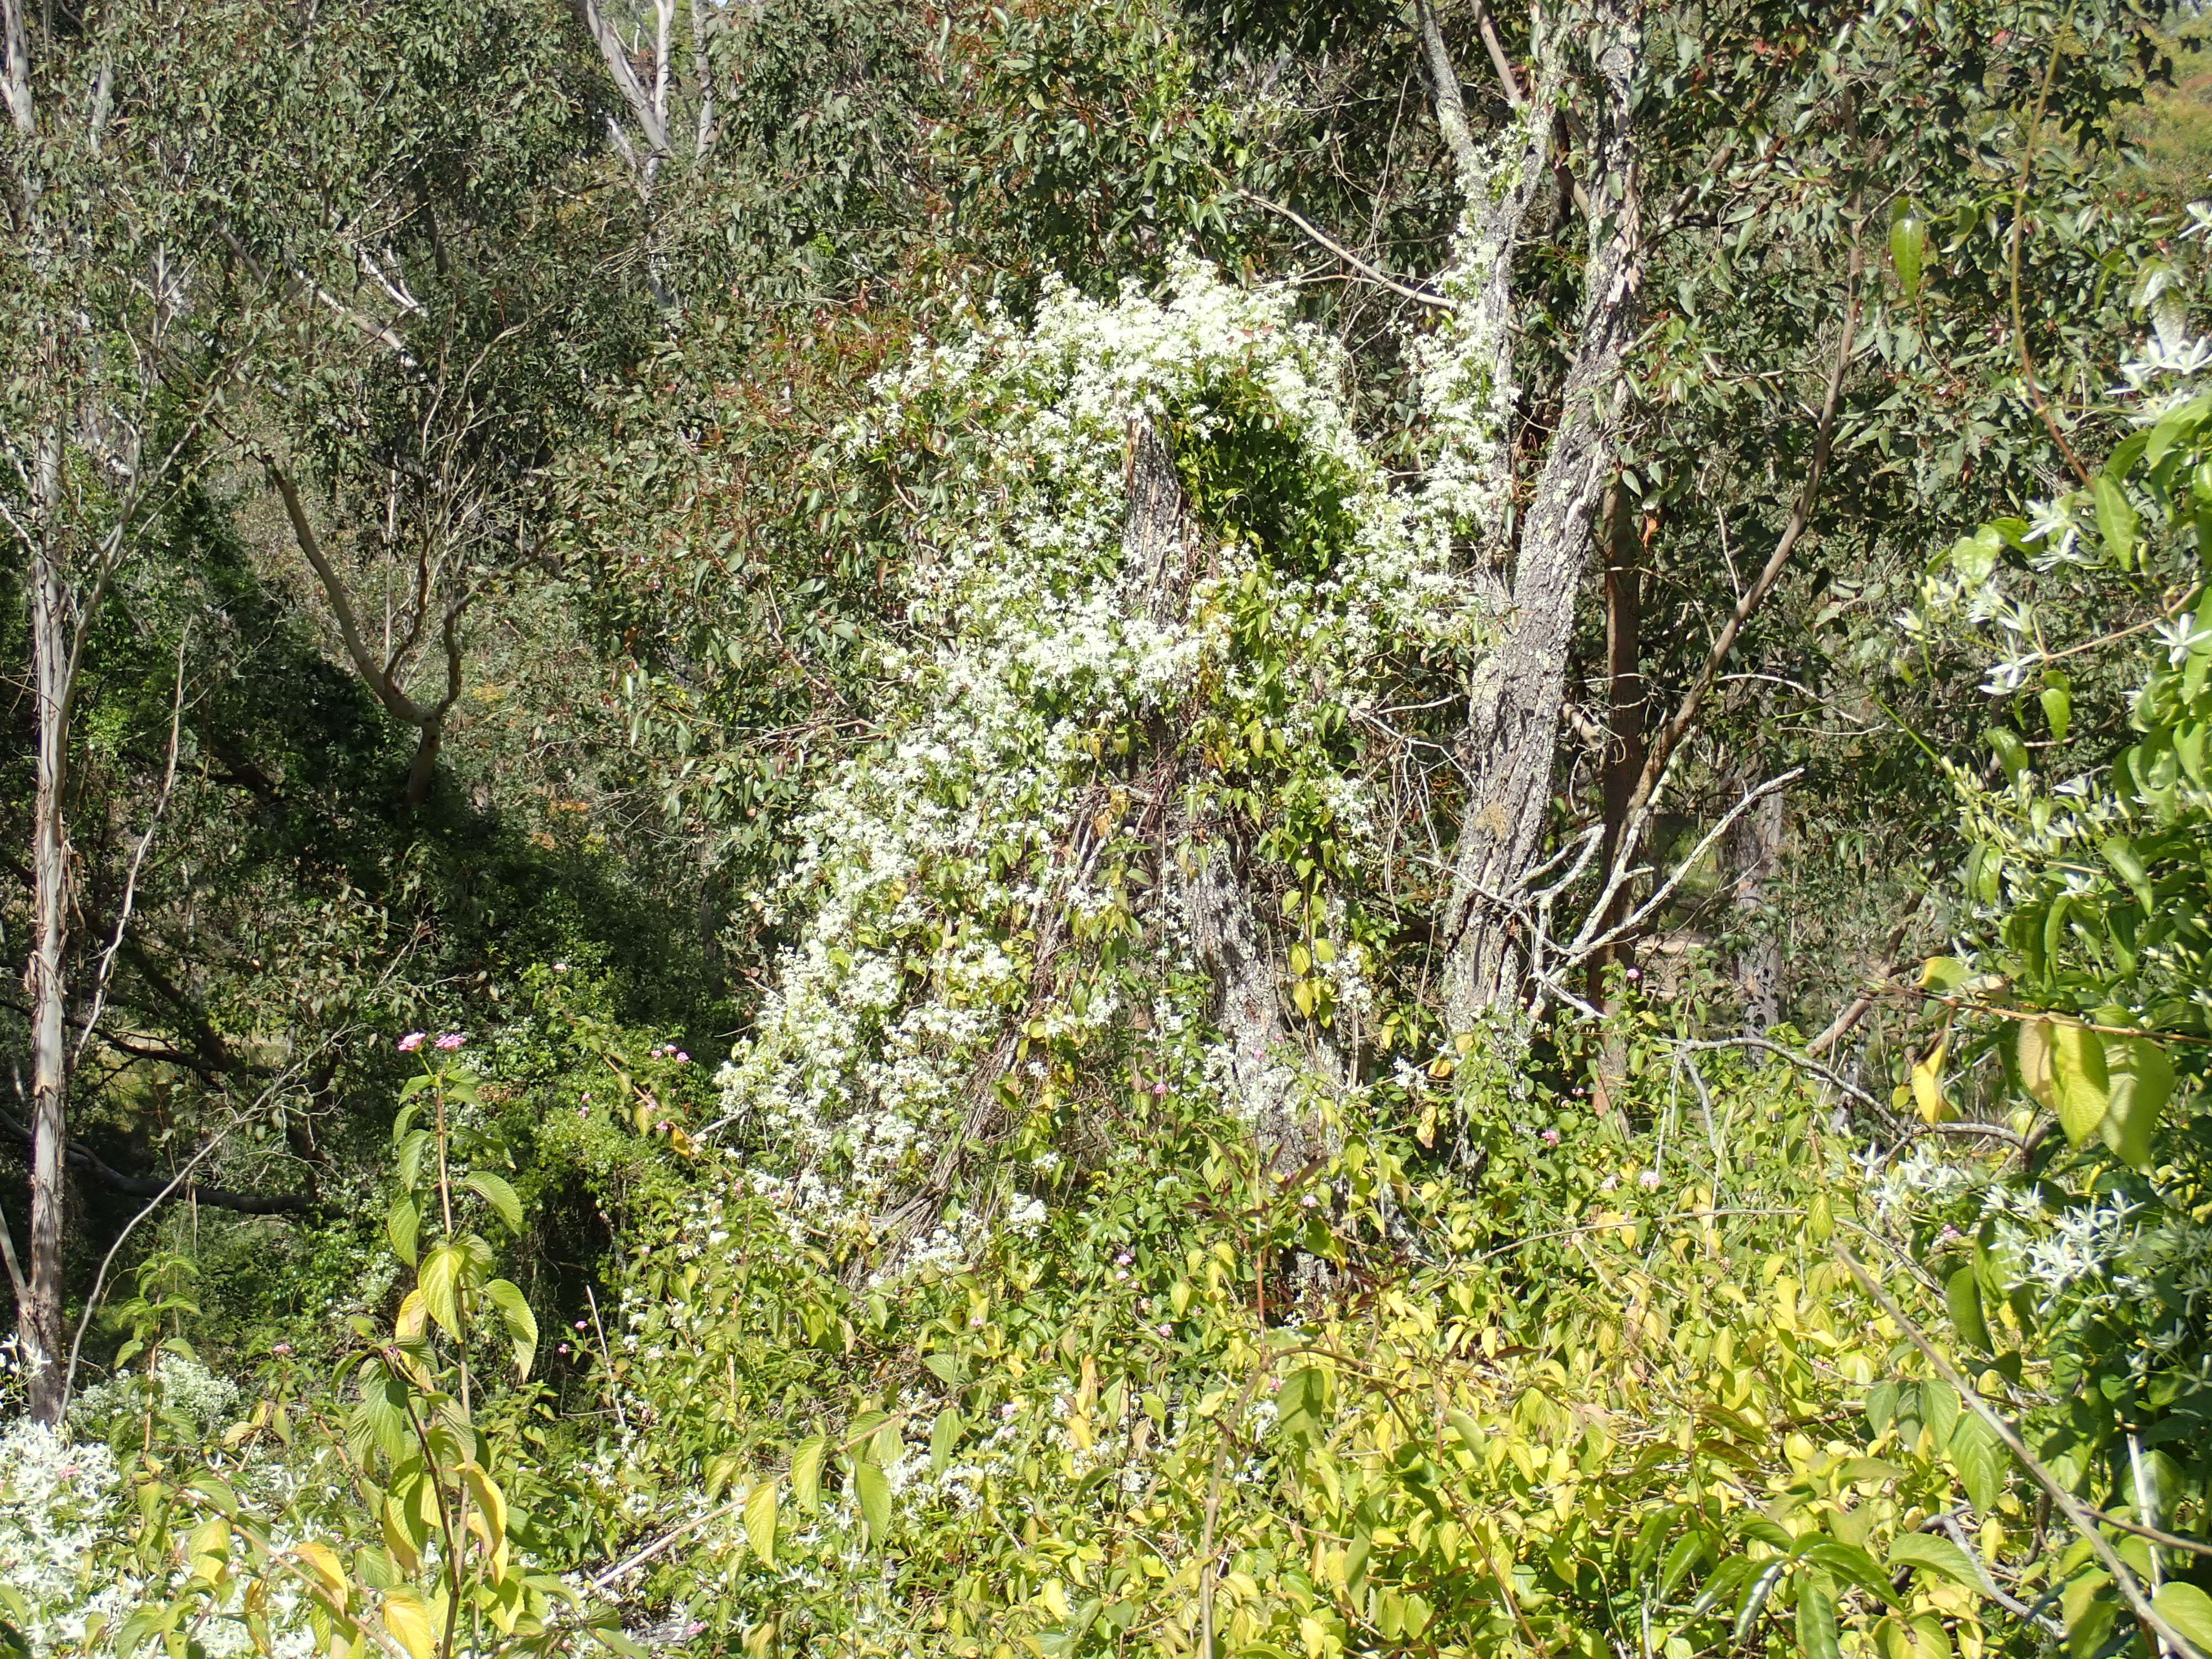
(760, 1521)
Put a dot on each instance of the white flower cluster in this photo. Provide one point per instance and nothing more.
(934, 868)
(60, 1513)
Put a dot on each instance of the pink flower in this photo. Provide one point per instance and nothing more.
(452, 1040)
(410, 1042)
(1636, 973)
(1159, 1088)
(682, 1059)
(580, 1324)
(1165, 1328)
(1551, 1137)
(281, 1348)
(1123, 1259)
(1649, 1180)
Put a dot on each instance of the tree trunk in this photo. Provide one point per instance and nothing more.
(1225, 931)
(1752, 853)
(40, 1326)
(1514, 713)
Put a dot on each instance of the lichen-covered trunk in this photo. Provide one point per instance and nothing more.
(1514, 711)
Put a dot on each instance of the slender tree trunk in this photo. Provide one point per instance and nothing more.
(1751, 851)
(40, 1327)
(1622, 763)
(1514, 712)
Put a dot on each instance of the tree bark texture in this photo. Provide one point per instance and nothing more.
(1210, 861)
(40, 1327)
(1515, 707)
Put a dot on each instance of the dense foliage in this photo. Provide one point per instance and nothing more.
(1077, 830)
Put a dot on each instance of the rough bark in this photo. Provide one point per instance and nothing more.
(1515, 708)
(40, 1327)
(1210, 861)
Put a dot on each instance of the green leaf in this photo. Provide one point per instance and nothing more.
(1981, 1460)
(806, 1472)
(944, 1438)
(1849, 1562)
(1939, 1410)
(2057, 700)
(440, 1283)
(2011, 752)
(2189, 1610)
(1908, 249)
(1962, 1295)
(1303, 1406)
(521, 1324)
(1937, 1555)
(760, 1521)
(2116, 522)
(403, 1225)
(1679, 1559)
(2141, 1076)
(495, 1191)
(1816, 1620)
(1754, 1599)
(2079, 1079)
(874, 1489)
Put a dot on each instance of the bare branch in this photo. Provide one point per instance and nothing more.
(16, 70)
(1418, 295)
(1801, 514)
(382, 682)
(1444, 84)
(106, 970)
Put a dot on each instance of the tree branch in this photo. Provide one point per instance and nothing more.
(1685, 715)
(625, 77)
(88, 1164)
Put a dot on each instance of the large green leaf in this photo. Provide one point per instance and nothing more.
(760, 1521)
(873, 1488)
(806, 1472)
(521, 1324)
(440, 1283)
(2189, 1610)
(2079, 1079)
(1816, 1619)
(2141, 1078)
(495, 1191)
(1937, 1555)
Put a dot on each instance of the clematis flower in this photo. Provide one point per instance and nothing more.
(410, 1042)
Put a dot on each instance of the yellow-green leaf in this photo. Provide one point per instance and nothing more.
(439, 1284)
(2080, 1079)
(806, 1472)
(1928, 1085)
(874, 1488)
(409, 1622)
(2142, 1082)
(2034, 1051)
(760, 1521)
(2189, 1610)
